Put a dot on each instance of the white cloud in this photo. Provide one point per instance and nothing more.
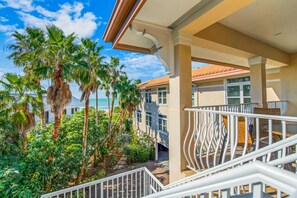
(8, 28)
(69, 18)
(3, 19)
(143, 66)
(24, 5)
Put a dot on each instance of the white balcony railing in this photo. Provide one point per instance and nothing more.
(216, 137)
(240, 108)
(136, 183)
(255, 180)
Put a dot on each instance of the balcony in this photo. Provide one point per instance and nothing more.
(218, 134)
(233, 151)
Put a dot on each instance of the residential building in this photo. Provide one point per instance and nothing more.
(212, 85)
(74, 106)
(234, 151)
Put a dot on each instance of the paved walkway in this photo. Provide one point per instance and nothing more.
(158, 168)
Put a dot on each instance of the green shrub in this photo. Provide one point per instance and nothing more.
(138, 153)
(99, 175)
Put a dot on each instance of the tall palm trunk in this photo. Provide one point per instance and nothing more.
(111, 109)
(109, 122)
(96, 113)
(58, 117)
(40, 98)
(25, 138)
(58, 81)
(85, 136)
(123, 119)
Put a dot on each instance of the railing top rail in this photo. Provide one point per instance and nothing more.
(273, 101)
(225, 105)
(93, 182)
(248, 157)
(250, 173)
(249, 115)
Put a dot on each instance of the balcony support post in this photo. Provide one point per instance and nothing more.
(258, 80)
(180, 86)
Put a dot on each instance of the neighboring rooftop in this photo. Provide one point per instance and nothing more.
(75, 102)
(199, 74)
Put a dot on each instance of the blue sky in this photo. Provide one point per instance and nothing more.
(87, 18)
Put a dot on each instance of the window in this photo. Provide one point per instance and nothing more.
(238, 90)
(139, 119)
(162, 96)
(65, 111)
(148, 119)
(72, 111)
(76, 109)
(148, 96)
(162, 122)
(46, 116)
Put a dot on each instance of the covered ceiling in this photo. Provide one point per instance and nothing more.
(271, 21)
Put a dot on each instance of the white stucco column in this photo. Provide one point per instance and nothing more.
(258, 80)
(180, 97)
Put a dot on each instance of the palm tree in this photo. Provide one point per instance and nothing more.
(58, 55)
(26, 53)
(16, 100)
(88, 81)
(129, 98)
(115, 72)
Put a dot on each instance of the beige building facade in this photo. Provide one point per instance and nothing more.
(212, 85)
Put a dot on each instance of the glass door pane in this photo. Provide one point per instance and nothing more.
(246, 90)
(233, 100)
(233, 91)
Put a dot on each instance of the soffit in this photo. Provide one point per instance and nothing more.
(165, 12)
(273, 22)
(138, 40)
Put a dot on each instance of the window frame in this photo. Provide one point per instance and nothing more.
(150, 121)
(163, 91)
(162, 118)
(239, 84)
(148, 96)
(139, 116)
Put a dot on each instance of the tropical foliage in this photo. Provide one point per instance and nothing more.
(37, 158)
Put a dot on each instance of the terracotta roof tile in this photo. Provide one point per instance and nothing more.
(202, 73)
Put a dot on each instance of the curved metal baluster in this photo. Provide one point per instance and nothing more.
(227, 140)
(204, 137)
(186, 137)
(191, 139)
(197, 139)
(245, 136)
(269, 138)
(236, 138)
(219, 140)
(210, 126)
(212, 136)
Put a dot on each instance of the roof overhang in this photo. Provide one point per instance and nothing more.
(210, 27)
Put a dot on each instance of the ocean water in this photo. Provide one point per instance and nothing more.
(102, 103)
